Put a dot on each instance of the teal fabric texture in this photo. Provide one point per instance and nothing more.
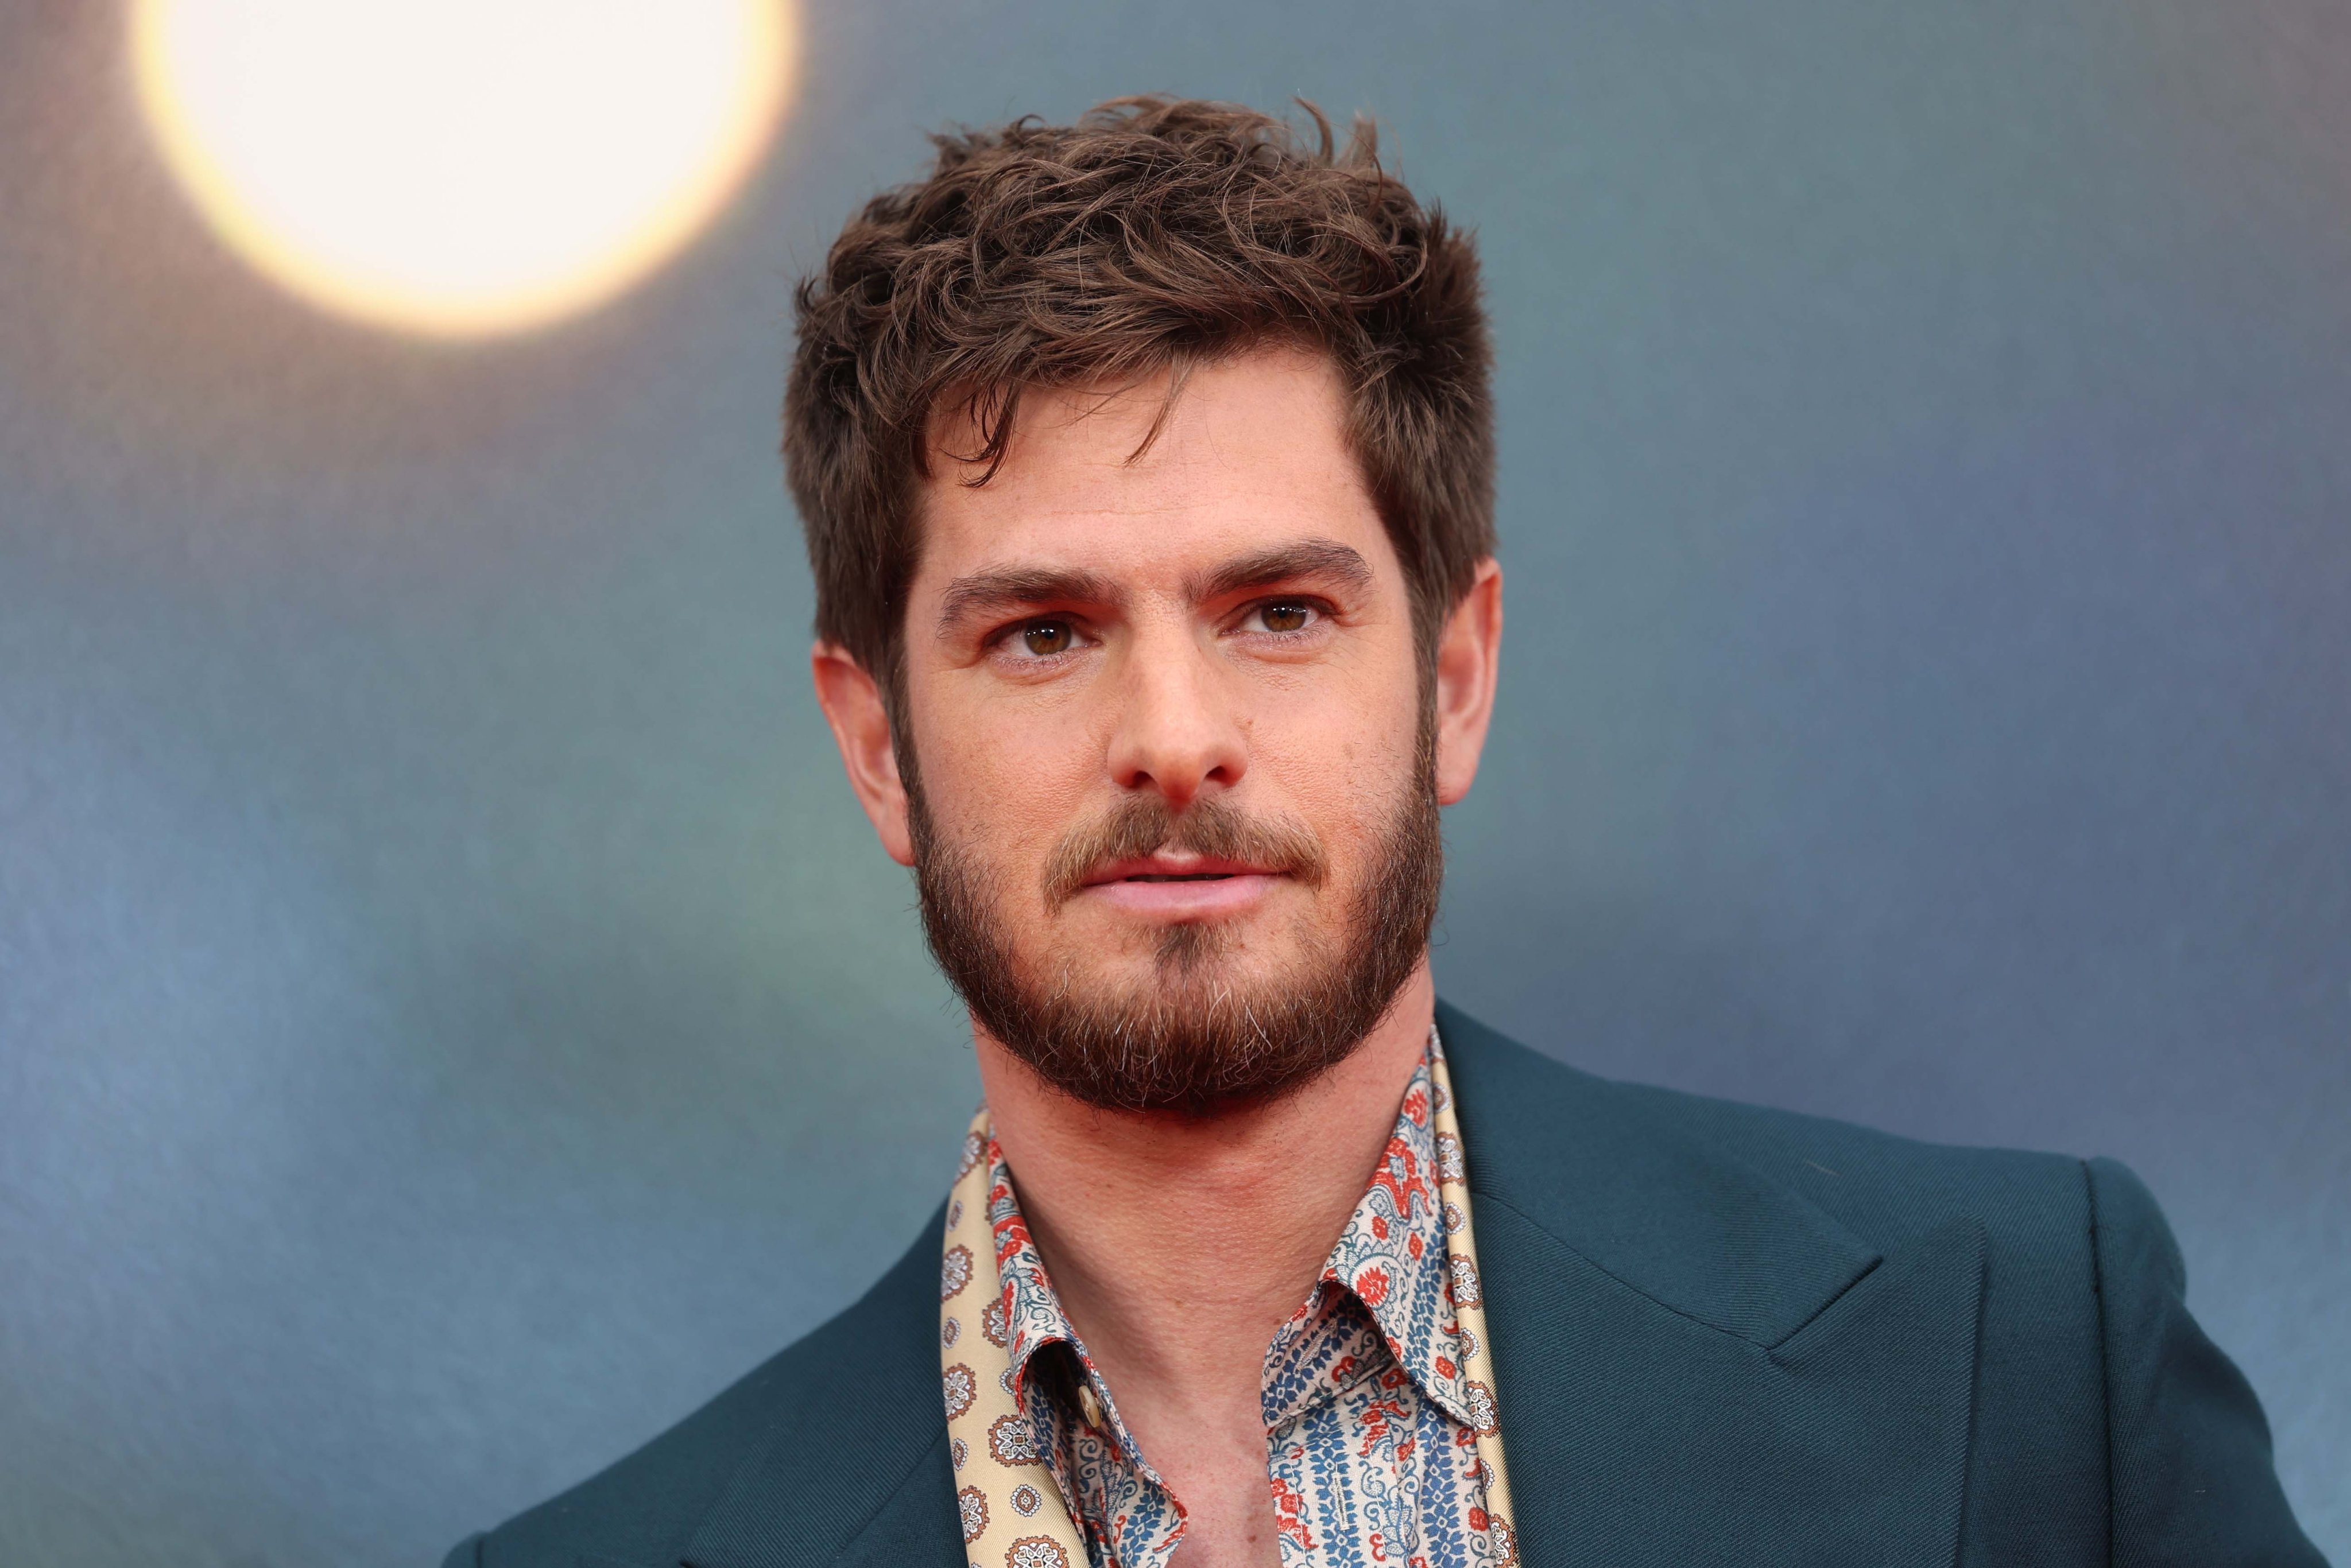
(1723, 1335)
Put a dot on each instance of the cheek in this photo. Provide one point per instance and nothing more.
(1342, 762)
(1006, 791)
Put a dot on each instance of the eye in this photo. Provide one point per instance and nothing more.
(1281, 615)
(1044, 638)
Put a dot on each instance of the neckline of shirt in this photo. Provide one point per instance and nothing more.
(1404, 1287)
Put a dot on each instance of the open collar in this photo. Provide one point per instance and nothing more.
(1031, 1314)
(1695, 1364)
(1391, 1258)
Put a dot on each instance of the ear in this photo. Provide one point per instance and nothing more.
(1468, 664)
(861, 726)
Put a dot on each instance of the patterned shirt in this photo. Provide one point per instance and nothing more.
(1371, 1422)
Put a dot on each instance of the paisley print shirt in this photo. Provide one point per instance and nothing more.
(1371, 1422)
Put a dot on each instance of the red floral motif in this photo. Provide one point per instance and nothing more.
(1376, 1420)
(1400, 1188)
(1011, 1235)
(1004, 1211)
(1289, 1512)
(1372, 1285)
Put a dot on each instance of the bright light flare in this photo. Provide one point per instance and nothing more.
(460, 167)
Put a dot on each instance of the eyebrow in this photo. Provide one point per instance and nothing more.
(1014, 587)
(1324, 559)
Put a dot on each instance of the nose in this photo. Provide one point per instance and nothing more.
(1179, 727)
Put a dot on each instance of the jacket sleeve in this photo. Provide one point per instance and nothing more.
(2190, 1475)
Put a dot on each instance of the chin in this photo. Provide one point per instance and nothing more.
(1241, 951)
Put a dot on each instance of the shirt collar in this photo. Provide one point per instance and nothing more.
(1391, 1257)
(1027, 1316)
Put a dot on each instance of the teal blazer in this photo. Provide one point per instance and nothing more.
(1722, 1335)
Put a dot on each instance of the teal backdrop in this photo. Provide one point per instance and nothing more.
(454, 1018)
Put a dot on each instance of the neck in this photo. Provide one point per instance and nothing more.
(1179, 1244)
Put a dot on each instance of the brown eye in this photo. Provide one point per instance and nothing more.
(1285, 617)
(1045, 637)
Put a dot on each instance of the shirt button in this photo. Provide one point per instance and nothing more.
(1090, 1406)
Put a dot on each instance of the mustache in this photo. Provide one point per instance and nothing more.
(1143, 824)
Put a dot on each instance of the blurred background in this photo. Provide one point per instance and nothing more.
(453, 1015)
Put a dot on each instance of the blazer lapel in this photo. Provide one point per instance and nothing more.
(1696, 1366)
(917, 1525)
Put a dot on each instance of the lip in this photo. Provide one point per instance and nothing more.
(1181, 887)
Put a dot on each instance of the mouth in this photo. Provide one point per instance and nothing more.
(1178, 886)
(1162, 868)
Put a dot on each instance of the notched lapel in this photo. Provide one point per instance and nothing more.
(854, 1470)
(1693, 1364)
(1596, 1167)
(915, 1526)
(1640, 1437)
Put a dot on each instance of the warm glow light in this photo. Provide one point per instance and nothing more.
(460, 166)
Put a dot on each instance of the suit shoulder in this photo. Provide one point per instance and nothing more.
(1883, 1185)
(1885, 1188)
(645, 1508)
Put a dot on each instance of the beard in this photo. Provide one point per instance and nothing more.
(1192, 1037)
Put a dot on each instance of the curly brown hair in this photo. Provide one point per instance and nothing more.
(1153, 234)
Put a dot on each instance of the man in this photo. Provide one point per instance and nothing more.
(1146, 466)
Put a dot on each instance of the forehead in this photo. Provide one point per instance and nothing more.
(1251, 452)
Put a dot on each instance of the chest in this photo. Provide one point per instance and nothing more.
(1344, 1460)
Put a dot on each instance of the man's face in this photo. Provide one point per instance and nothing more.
(1171, 796)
